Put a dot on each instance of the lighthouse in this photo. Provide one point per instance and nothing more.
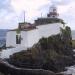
(27, 34)
(53, 12)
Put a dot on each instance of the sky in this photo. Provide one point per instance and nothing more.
(12, 11)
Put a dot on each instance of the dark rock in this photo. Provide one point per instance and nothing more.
(62, 74)
(6, 69)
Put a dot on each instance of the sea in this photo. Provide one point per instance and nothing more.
(3, 37)
(70, 70)
(73, 34)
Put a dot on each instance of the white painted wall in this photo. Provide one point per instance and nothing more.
(24, 41)
(33, 37)
(10, 39)
(49, 29)
(29, 38)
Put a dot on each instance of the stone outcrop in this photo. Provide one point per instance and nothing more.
(6, 69)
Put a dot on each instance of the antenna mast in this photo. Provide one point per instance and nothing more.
(24, 16)
(41, 15)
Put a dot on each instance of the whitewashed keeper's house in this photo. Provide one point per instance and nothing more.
(26, 35)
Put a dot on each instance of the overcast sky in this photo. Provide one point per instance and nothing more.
(12, 11)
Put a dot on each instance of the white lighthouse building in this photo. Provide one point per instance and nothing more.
(26, 35)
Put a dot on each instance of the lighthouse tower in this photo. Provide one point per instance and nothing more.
(53, 12)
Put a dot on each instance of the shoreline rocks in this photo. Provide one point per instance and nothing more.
(6, 68)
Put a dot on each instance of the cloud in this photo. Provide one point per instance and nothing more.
(7, 20)
(12, 11)
(61, 2)
(27, 5)
(31, 8)
(67, 12)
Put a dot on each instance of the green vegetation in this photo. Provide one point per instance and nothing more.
(18, 31)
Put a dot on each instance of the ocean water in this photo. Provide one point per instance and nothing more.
(73, 34)
(3, 37)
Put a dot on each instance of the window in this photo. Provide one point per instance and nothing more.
(18, 39)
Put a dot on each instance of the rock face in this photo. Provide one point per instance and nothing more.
(6, 69)
(49, 53)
